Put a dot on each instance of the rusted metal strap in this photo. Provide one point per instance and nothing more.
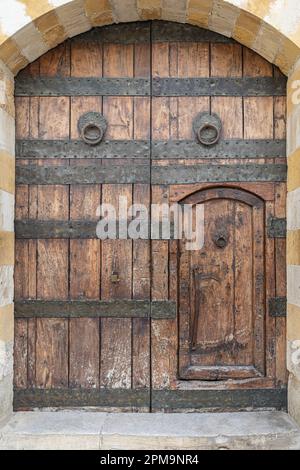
(236, 148)
(185, 174)
(121, 33)
(277, 227)
(79, 149)
(170, 149)
(263, 86)
(167, 31)
(155, 31)
(61, 86)
(163, 309)
(32, 229)
(70, 397)
(125, 174)
(278, 307)
(241, 399)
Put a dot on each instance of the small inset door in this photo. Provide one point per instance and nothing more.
(222, 299)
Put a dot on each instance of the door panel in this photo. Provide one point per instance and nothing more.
(86, 333)
(221, 304)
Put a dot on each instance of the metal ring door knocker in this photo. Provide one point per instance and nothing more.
(92, 127)
(207, 128)
(220, 240)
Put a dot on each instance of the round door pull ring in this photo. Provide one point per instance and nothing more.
(207, 128)
(92, 127)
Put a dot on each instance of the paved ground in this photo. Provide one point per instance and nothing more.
(94, 430)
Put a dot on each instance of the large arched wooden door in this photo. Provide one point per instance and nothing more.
(145, 325)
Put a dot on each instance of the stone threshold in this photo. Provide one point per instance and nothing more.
(86, 430)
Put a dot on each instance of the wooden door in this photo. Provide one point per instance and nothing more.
(222, 310)
(144, 325)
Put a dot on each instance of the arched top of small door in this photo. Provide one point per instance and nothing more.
(222, 192)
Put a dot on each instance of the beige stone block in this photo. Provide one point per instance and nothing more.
(31, 42)
(293, 210)
(99, 12)
(6, 398)
(6, 285)
(6, 359)
(293, 322)
(293, 247)
(223, 18)
(12, 57)
(246, 28)
(198, 12)
(7, 209)
(73, 18)
(7, 90)
(294, 398)
(293, 91)
(293, 285)
(52, 31)
(174, 11)
(7, 248)
(124, 11)
(293, 131)
(268, 42)
(293, 171)
(7, 323)
(7, 172)
(149, 10)
(7, 132)
(293, 356)
(287, 56)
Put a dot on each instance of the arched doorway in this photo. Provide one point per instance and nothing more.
(101, 323)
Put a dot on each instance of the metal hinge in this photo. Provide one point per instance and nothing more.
(277, 307)
(276, 227)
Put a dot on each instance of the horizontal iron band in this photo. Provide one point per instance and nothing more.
(125, 174)
(236, 148)
(33, 229)
(157, 309)
(161, 399)
(79, 149)
(277, 227)
(278, 307)
(61, 86)
(180, 174)
(248, 86)
(130, 174)
(167, 31)
(170, 149)
(220, 399)
(140, 33)
(41, 398)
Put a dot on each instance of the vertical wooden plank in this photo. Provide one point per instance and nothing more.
(141, 291)
(53, 255)
(116, 339)
(280, 246)
(116, 334)
(226, 60)
(84, 336)
(20, 354)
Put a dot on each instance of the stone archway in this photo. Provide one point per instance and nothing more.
(28, 29)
